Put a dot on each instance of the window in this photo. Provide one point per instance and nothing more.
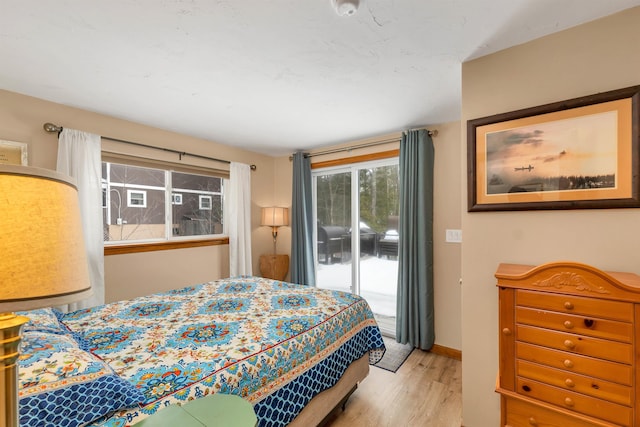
(136, 199)
(159, 204)
(205, 202)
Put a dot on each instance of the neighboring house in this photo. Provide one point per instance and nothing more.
(138, 202)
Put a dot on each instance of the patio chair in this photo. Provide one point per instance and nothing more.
(388, 244)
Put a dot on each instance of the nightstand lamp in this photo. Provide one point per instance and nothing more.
(43, 261)
(274, 266)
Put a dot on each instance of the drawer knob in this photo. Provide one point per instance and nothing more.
(569, 382)
(533, 422)
(568, 324)
(506, 331)
(568, 401)
(569, 344)
(568, 363)
(568, 305)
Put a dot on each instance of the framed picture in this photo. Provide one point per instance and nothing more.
(575, 154)
(13, 153)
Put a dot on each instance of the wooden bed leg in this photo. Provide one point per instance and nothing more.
(341, 405)
(343, 402)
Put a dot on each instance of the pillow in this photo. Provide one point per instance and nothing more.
(43, 320)
(49, 320)
(61, 384)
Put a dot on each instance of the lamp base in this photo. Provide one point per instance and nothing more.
(274, 266)
(10, 327)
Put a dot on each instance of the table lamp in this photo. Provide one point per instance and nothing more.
(43, 261)
(275, 217)
(274, 266)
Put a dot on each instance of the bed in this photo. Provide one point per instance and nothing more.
(294, 352)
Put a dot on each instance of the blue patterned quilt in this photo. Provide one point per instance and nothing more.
(274, 343)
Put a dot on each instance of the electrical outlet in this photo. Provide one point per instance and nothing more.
(453, 236)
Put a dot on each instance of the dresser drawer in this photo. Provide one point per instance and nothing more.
(576, 305)
(576, 324)
(588, 346)
(574, 382)
(568, 400)
(615, 372)
(523, 414)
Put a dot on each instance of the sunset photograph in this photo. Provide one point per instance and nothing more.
(563, 155)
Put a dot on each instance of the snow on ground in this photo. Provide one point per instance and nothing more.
(378, 281)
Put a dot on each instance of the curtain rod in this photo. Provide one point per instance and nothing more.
(50, 127)
(364, 145)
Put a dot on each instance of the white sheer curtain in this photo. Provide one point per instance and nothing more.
(79, 157)
(238, 217)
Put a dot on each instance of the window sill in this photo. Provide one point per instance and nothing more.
(163, 246)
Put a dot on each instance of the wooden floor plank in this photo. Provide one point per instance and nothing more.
(425, 391)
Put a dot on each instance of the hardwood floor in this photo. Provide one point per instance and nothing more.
(425, 391)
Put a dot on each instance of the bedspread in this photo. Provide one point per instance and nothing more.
(248, 336)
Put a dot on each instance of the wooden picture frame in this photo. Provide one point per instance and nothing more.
(576, 154)
(13, 153)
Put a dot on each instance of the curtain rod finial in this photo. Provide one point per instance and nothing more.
(50, 127)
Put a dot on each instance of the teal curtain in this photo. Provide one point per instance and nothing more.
(414, 321)
(302, 264)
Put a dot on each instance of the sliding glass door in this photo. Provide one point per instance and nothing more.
(356, 212)
(332, 197)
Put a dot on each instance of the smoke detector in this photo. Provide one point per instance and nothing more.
(345, 7)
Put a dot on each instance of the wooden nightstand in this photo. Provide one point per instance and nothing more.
(274, 266)
(216, 410)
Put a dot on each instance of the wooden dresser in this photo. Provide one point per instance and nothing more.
(569, 346)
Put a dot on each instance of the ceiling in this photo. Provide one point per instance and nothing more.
(272, 76)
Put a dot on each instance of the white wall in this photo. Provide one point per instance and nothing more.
(595, 57)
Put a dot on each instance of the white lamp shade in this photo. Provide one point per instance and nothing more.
(275, 216)
(41, 243)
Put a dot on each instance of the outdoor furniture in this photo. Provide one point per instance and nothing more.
(388, 244)
(368, 242)
(388, 247)
(330, 243)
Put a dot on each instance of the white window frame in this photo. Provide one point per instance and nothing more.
(353, 169)
(203, 206)
(176, 198)
(169, 192)
(130, 203)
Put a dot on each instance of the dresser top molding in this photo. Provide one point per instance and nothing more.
(566, 277)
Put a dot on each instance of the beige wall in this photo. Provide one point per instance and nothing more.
(282, 189)
(130, 275)
(447, 256)
(127, 276)
(595, 57)
(447, 199)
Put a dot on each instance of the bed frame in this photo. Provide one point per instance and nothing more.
(323, 406)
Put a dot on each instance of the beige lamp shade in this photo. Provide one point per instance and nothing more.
(275, 216)
(41, 244)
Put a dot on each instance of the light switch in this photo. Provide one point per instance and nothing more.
(453, 236)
